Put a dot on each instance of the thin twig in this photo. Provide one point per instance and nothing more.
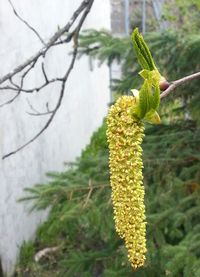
(26, 23)
(89, 194)
(178, 83)
(10, 100)
(66, 40)
(31, 90)
(44, 73)
(36, 112)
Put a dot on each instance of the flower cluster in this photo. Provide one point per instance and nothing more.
(125, 134)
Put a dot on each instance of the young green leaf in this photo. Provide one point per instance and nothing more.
(142, 51)
(144, 99)
(152, 117)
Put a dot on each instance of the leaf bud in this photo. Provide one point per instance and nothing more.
(163, 84)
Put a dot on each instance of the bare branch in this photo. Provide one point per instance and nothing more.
(26, 23)
(36, 112)
(44, 73)
(64, 79)
(178, 83)
(31, 90)
(39, 113)
(44, 128)
(50, 43)
(66, 40)
(10, 100)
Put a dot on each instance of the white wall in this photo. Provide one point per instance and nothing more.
(84, 106)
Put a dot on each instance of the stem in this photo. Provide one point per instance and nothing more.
(178, 83)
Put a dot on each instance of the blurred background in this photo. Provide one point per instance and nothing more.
(70, 230)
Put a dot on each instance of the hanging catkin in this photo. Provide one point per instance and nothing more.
(125, 134)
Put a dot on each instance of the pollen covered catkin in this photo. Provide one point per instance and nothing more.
(125, 134)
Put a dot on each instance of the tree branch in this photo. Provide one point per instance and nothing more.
(179, 82)
(86, 5)
(50, 43)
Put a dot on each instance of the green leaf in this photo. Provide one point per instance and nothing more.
(152, 117)
(149, 95)
(144, 99)
(153, 76)
(142, 51)
(147, 101)
(155, 97)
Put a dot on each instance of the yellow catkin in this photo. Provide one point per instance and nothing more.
(125, 134)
